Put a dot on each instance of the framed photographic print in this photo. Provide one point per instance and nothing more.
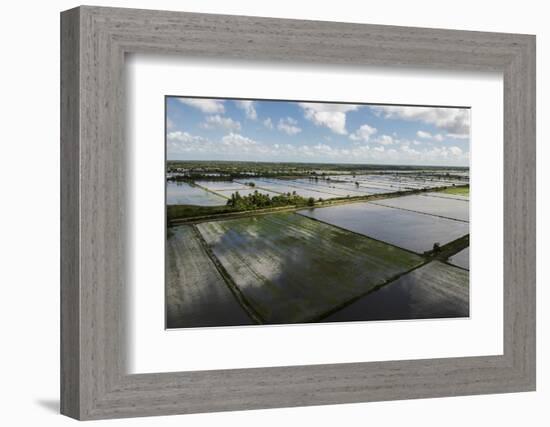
(345, 212)
(277, 213)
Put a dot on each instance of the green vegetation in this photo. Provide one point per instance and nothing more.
(443, 252)
(253, 203)
(238, 203)
(431, 291)
(181, 170)
(259, 200)
(460, 191)
(189, 211)
(291, 269)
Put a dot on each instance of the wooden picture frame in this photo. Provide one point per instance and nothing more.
(94, 382)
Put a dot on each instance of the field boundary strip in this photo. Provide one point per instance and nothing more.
(358, 234)
(234, 289)
(462, 243)
(418, 212)
(210, 191)
(323, 204)
(449, 198)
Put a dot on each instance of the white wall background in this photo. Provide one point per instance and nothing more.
(29, 230)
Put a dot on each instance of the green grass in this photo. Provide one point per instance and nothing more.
(238, 203)
(188, 211)
(460, 191)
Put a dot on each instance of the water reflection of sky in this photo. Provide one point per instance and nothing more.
(409, 230)
(181, 193)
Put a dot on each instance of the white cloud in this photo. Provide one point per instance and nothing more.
(268, 123)
(458, 135)
(249, 108)
(422, 134)
(408, 150)
(184, 142)
(452, 120)
(384, 140)
(169, 124)
(236, 140)
(363, 133)
(455, 151)
(179, 136)
(218, 121)
(332, 116)
(427, 135)
(235, 146)
(232, 144)
(210, 106)
(288, 125)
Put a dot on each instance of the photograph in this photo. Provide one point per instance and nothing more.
(288, 211)
(265, 214)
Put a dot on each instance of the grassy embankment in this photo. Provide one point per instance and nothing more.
(237, 203)
(259, 205)
(460, 191)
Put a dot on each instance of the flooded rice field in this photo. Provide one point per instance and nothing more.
(461, 259)
(345, 260)
(439, 206)
(404, 181)
(325, 187)
(345, 188)
(292, 269)
(447, 196)
(289, 186)
(221, 185)
(406, 229)
(181, 193)
(196, 294)
(435, 290)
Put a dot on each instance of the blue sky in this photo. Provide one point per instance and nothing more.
(288, 131)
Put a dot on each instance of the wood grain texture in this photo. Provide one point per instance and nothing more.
(70, 333)
(94, 270)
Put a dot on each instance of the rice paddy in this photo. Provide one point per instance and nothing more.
(292, 269)
(438, 206)
(196, 293)
(461, 259)
(435, 290)
(406, 229)
(181, 193)
(360, 252)
(221, 185)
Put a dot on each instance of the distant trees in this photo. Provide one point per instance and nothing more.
(257, 200)
(311, 201)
